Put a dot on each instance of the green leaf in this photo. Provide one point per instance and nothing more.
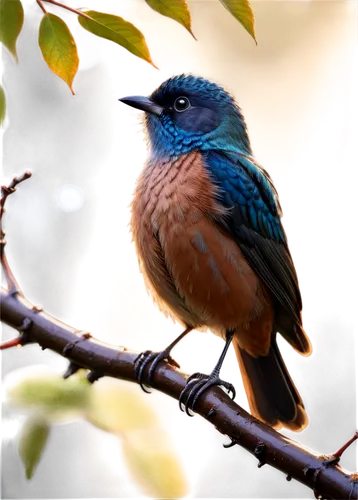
(242, 11)
(11, 21)
(33, 439)
(117, 30)
(40, 390)
(58, 48)
(2, 105)
(175, 9)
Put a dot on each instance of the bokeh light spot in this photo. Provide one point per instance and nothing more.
(70, 198)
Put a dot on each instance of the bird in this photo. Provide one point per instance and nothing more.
(206, 224)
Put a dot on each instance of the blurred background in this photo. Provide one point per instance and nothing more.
(286, 86)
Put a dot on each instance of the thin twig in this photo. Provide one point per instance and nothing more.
(13, 286)
(67, 7)
(327, 479)
(6, 191)
(42, 6)
(337, 455)
(16, 342)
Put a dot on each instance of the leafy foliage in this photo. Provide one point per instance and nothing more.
(150, 457)
(58, 45)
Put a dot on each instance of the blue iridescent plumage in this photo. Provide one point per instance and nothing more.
(168, 140)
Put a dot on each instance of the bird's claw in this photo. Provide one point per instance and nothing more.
(152, 358)
(196, 385)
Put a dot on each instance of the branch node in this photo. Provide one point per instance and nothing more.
(94, 375)
(211, 412)
(354, 477)
(25, 325)
(309, 472)
(71, 369)
(229, 443)
(25, 337)
(260, 454)
(37, 309)
(66, 351)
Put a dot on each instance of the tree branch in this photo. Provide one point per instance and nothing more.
(327, 479)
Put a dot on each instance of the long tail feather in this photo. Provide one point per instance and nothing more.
(272, 395)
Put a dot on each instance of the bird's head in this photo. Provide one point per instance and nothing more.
(189, 113)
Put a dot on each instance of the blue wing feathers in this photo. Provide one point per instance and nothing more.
(253, 220)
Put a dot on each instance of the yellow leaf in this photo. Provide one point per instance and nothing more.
(153, 464)
(117, 30)
(242, 11)
(2, 105)
(11, 21)
(175, 9)
(58, 48)
(116, 406)
(32, 440)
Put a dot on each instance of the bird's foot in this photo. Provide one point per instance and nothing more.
(196, 385)
(151, 359)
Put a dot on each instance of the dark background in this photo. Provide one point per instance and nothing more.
(68, 140)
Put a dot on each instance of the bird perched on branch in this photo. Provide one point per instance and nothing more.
(211, 246)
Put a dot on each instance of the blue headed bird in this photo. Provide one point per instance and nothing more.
(206, 222)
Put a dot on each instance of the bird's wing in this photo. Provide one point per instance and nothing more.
(253, 220)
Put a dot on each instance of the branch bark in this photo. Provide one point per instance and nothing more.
(319, 472)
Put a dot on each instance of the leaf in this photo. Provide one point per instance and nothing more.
(242, 11)
(153, 464)
(41, 390)
(33, 439)
(117, 30)
(175, 9)
(119, 408)
(2, 105)
(58, 48)
(11, 21)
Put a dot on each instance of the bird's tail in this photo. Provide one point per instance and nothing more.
(272, 395)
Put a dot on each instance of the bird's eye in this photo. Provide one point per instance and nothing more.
(181, 104)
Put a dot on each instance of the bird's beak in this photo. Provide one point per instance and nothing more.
(143, 103)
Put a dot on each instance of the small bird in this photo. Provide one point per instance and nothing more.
(206, 222)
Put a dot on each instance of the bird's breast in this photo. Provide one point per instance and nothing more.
(195, 271)
(175, 191)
